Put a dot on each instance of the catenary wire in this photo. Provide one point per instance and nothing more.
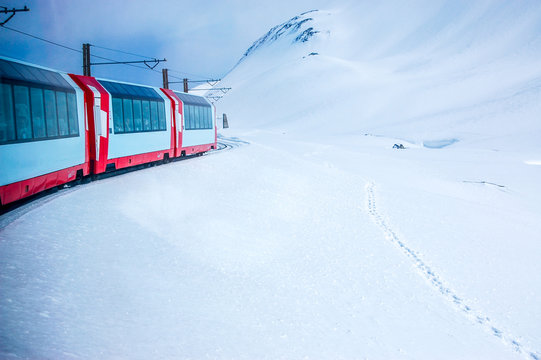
(102, 57)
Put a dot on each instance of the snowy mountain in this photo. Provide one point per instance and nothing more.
(427, 73)
(314, 236)
(296, 27)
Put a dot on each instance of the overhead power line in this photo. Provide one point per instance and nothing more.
(107, 58)
(76, 50)
(185, 73)
(122, 52)
(42, 39)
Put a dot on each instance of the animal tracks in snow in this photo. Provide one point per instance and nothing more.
(437, 282)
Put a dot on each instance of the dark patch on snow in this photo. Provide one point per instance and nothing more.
(306, 35)
(399, 146)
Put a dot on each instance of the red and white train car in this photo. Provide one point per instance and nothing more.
(42, 130)
(56, 128)
(131, 124)
(195, 120)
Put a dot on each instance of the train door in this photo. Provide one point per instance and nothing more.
(178, 126)
(100, 130)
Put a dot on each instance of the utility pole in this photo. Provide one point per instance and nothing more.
(165, 79)
(86, 59)
(185, 82)
(4, 10)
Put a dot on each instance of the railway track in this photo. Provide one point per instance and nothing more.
(11, 212)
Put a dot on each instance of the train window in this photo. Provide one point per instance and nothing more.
(72, 114)
(33, 113)
(208, 124)
(137, 115)
(201, 117)
(22, 112)
(7, 124)
(197, 117)
(161, 116)
(188, 117)
(128, 115)
(185, 115)
(118, 119)
(146, 116)
(62, 110)
(50, 113)
(38, 113)
(154, 115)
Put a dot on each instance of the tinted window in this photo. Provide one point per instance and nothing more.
(187, 118)
(62, 111)
(7, 123)
(34, 113)
(209, 116)
(200, 118)
(128, 115)
(161, 116)
(118, 119)
(137, 115)
(154, 115)
(72, 114)
(38, 113)
(50, 113)
(146, 116)
(22, 112)
(195, 117)
(191, 117)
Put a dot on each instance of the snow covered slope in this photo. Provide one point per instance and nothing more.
(422, 71)
(313, 237)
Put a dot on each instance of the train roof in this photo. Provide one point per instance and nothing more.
(26, 73)
(192, 99)
(122, 89)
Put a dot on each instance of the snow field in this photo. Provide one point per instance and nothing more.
(300, 277)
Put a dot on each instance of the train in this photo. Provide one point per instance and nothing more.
(57, 127)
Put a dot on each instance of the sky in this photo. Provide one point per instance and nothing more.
(199, 39)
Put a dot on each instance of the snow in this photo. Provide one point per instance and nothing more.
(312, 237)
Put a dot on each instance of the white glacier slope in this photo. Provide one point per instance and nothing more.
(313, 237)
